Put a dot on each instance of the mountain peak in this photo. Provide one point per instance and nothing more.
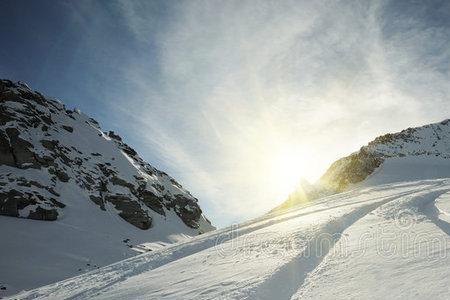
(66, 147)
(427, 145)
(59, 169)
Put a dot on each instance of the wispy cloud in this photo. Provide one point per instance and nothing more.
(229, 89)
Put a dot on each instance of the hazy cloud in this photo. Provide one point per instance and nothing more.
(238, 99)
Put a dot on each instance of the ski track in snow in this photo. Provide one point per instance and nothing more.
(289, 277)
(286, 281)
(419, 203)
(433, 213)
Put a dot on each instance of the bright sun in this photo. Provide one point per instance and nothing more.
(288, 167)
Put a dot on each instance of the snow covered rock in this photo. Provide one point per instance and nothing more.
(89, 190)
(426, 149)
(38, 134)
(425, 142)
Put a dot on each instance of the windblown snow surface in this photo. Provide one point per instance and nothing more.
(387, 238)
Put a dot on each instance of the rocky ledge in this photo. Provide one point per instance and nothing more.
(46, 149)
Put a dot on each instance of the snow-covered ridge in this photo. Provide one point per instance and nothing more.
(428, 141)
(44, 146)
(425, 147)
(74, 198)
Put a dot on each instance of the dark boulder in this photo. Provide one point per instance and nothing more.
(130, 211)
(152, 201)
(43, 214)
(21, 149)
(68, 128)
(6, 154)
(12, 201)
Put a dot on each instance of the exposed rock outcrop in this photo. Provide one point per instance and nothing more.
(46, 148)
(431, 140)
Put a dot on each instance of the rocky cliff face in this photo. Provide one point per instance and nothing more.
(428, 141)
(431, 140)
(46, 148)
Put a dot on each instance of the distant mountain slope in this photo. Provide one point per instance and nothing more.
(99, 198)
(423, 151)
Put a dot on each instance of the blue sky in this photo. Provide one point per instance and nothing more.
(237, 99)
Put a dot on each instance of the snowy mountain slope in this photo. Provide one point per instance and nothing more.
(339, 247)
(74, 198)
(385, 235)
(409, 260)
(428, 142)
(391, 229)
(425, 150)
